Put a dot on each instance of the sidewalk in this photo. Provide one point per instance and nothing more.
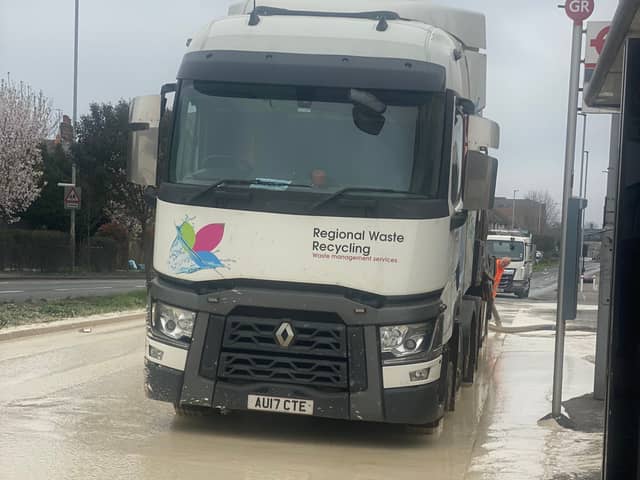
(513, 442)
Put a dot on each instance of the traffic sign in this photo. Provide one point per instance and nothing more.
(579, 10)
(72, 197)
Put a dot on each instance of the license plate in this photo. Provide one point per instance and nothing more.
(294, 406)
(501, 290)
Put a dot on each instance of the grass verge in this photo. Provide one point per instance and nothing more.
(16, 314)
(538, 267)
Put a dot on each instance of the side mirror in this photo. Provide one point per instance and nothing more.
(480, 181)
(458, 220)
(144, 122)
(367, 120)
(482, 134)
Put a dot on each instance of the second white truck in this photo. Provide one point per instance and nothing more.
(519, 248)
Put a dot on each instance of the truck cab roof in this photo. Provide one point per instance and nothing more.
(416, 31)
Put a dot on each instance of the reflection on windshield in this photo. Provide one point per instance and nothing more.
(505, 248)
(305, 136)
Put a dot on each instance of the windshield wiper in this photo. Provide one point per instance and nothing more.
(238, 182)
(348, 190)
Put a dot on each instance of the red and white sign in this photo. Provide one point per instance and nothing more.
(579, 10)
(72, 196)
(596, 37)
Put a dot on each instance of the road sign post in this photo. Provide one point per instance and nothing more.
(578, 11)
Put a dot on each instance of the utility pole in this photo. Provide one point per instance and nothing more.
(584, 195)
(513, 212)
(72, 228)
(583, 151)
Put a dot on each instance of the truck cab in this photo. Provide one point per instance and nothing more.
(321, 178)
(519, 248)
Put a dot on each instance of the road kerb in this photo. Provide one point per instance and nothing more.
(70, 324)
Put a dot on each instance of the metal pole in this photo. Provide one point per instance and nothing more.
(584, 212)
(513, 213)
(569, 160)
(584, 138)
(72, 227)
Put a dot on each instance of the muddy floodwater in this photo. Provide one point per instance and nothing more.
(72, 407)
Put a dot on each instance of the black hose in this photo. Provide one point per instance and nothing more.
(539, 328)
(498, 327)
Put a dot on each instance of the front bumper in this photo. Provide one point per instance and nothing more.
(509, 285)
(373, 393)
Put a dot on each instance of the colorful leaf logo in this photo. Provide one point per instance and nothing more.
(208, 237)
(200, 245)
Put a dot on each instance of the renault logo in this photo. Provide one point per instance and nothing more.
(285, 334)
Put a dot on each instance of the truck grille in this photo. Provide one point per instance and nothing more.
(506, 281)
(315, 356)
(309, 338)
(270, 368)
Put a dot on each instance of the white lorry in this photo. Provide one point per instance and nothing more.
(519, 248)
(320, 211)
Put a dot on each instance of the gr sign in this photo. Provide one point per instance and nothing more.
(579, 10)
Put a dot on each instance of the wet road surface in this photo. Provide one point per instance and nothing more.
(32, 289)
(72, 406)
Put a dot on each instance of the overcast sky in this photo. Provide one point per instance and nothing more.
(131, 47)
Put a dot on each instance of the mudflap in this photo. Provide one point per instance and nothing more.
(470, 307)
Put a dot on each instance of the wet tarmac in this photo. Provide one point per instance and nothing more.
(72, 407)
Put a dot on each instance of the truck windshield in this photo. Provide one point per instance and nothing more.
(305, 136)
(505, 248)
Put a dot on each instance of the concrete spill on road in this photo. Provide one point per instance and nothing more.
(73, 407)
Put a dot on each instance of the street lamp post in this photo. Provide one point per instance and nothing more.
(585, 157)
(583, 152)
(584, 191)
(72, 226)
(513, 212)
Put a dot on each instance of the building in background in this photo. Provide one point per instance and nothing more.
(529, 215)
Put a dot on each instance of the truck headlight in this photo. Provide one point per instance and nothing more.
(174, 322)
(405, 340)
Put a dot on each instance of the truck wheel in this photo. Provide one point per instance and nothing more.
(525, 293)
(192, 411)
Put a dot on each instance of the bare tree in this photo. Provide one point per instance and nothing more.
(25, 120)
(550, 211)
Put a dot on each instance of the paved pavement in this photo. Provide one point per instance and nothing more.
(37, 289)
(541, 305)
(72, 407)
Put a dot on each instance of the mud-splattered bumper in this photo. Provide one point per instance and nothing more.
(343, 376)
(177, 382)
(162, 383)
